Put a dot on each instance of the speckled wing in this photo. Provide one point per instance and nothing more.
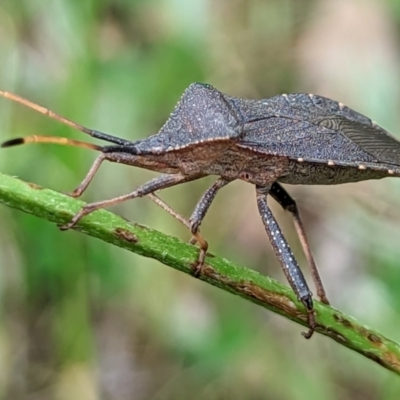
(301, 140)
(316, 129)
(372, 139)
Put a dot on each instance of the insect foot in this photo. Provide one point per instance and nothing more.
(308, 303)
(78, 216)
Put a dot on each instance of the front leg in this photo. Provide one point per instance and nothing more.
(285, 256)
(158, 183)
(89, 176)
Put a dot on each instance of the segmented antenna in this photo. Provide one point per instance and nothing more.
(50, 139)
(63, 120)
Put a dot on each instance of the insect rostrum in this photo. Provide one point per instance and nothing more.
(294, 139)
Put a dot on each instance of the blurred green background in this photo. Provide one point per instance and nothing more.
(80, 319)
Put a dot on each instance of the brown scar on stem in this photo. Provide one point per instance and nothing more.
(373, 338)
(35, 186)
(374, 357)
(336, 336)
(345, 322)
(280, 302)
(391, 359)
(362, 331)
(386, 359)
(126, 235)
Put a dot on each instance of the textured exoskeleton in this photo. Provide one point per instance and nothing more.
(290, 138)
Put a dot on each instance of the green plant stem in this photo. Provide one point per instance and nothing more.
(259, 289)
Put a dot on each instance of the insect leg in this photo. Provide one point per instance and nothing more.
(204, 204)
(285, 256)
(169, 210)
(288, 204)
(197, 217)
(158, 183)
(95, 167)
(196, 236)
(195, 220)
(200, 210)
(89, 176)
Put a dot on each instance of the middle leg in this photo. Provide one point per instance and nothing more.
(196, 218)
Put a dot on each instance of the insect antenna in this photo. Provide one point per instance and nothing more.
(63, 120)
(51, 139)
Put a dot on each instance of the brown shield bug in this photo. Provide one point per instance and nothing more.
(294, 139)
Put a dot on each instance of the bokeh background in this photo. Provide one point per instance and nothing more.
(80, 319)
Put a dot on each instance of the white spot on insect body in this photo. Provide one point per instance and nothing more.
(390, 171)
(341, 106)
(300, 159)
(331, 163)
(286, 97)
(362, 167)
